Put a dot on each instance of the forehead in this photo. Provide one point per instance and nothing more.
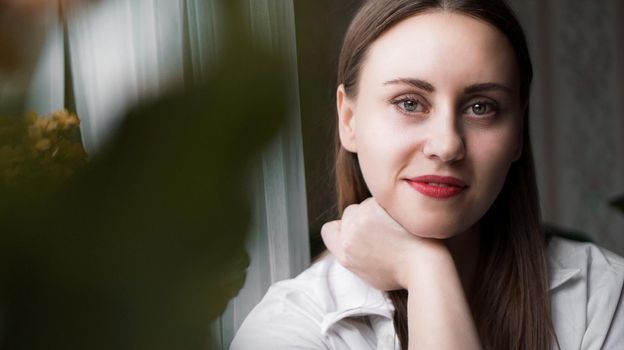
(444, 48)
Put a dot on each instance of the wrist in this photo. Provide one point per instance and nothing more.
(428, 260)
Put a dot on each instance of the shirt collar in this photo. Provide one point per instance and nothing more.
(563, 264)
(352, 296)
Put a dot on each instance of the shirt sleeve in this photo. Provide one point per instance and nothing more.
(284, 319)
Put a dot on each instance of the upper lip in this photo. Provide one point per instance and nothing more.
(447, 180)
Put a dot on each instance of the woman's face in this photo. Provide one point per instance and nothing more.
(436, 121)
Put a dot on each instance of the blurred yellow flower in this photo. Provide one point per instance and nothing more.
(43, 145)
(40, 149)
(35, 132)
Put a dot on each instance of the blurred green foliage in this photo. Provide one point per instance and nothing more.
(144, 246)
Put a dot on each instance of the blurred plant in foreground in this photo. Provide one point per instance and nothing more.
(37, 149)
(144, 246)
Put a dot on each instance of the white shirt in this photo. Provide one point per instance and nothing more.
(328, 307)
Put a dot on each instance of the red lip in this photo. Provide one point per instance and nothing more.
(452, 186)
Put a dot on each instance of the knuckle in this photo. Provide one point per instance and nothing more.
(330, 227)
(347, 245)
(325, 229)
(348, 211)
(347, 260)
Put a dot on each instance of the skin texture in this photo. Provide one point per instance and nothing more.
(399, 130)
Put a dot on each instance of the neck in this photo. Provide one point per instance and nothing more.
(465, 251)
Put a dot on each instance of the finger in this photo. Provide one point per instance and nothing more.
(371, 203)
(373, 207)
(349, 211)
(330, 232)
(368, 201)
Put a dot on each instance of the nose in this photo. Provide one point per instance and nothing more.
(444, 141)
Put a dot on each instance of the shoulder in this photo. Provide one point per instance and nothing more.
(568, 259)
(586, 287)
(568, 252)
(287, 309)
(306, 311)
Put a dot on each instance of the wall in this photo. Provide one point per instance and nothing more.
(577, 113)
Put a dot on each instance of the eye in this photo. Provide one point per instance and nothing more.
(409, 105)
(482, 109)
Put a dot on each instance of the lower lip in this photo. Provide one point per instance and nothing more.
(439, 192)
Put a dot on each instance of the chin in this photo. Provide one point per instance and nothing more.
(435, 236)
(435, 229)
(427, 220)
(429, 235)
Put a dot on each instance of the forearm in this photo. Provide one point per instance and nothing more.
(438, 313)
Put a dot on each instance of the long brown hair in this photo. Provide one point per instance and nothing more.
(511, 304)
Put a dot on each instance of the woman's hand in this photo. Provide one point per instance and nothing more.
(370, 243)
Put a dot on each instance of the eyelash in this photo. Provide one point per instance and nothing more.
(492, 106)
(403, 99)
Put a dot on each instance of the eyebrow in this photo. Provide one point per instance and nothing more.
(427, 86)
(487, 87)
(417, 83)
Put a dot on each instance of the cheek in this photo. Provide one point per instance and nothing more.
(376, 161)
(383, 150)
(493, 154)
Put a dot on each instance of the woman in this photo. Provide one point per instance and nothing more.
(439, 245)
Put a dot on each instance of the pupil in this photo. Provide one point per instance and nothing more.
(478, 108)
(410, 106)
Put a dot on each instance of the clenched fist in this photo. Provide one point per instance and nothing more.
(371, 244)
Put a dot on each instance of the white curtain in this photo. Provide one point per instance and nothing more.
(279, 246)
(46, 92)
(124, 52)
